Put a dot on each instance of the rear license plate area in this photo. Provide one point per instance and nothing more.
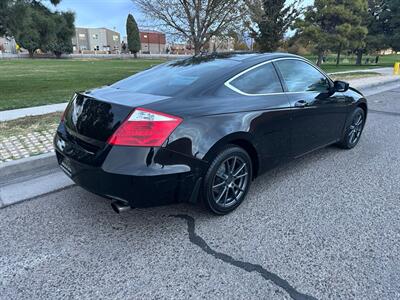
(66, 166)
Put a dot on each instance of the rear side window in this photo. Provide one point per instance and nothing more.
(171, 78)
(260, 80)
(300, 76)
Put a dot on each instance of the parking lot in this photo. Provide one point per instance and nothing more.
(326, 226)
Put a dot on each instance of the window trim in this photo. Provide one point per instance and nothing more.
(282, 82)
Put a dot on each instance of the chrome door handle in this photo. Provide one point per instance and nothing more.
(301, 103)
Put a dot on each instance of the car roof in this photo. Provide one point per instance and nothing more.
(240, 61)
(245, 57)
(202, 73)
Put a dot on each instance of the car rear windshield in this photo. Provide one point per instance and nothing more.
(171, 78)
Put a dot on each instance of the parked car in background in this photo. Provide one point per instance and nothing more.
(202, 128)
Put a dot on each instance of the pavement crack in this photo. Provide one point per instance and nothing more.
(246, 266)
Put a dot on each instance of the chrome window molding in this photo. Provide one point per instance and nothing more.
(228, 82)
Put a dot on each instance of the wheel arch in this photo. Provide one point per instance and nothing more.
(359, 104)
(364, 107)
(240, 139)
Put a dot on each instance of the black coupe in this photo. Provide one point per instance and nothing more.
(202, 128)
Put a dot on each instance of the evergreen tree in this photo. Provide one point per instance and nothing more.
(392, 16)
(7, 13)
(376, 38)
(334, 25)
(133, 37)
(270, 20)
(35, 29)
(64, 31)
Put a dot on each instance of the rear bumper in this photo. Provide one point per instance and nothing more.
(141, 176)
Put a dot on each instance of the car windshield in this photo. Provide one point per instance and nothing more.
(171, 78)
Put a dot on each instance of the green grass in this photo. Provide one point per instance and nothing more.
(30, 124)
(31, 82)
(348, 62)
(355, 75)
(343, 68)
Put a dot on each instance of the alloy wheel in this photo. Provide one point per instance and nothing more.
(230, 181)
(356, 128)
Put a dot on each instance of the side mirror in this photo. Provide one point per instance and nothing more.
(341, 86)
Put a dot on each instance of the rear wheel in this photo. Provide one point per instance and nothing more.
(354, 129)
(227, 180)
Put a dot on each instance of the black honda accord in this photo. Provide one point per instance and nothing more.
(201, 129)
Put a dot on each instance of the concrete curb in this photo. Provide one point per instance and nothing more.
(378, 84)
(377, 70)
(13, 114)
(47, 160)
(33, 188)
(29, 178)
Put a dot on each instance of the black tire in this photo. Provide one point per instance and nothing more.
(354, 129)
(227, 180)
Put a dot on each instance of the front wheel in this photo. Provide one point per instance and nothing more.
(227, 180)
(354, 129)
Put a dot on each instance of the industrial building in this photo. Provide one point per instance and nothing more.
(152, 42)
(103, 40)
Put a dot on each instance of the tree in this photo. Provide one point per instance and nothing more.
(35, 28)
(7, 10)
(311, 30)
(4, 14)
(357, 42)
(133, 36)
(239, 43)
(333, 25)
(270, 20)
(196, 20)
(64, 31)
(376, 38)
(392, 16)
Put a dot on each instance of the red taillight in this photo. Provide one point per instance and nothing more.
(145, 128)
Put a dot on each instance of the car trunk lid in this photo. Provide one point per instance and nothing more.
(94, 116)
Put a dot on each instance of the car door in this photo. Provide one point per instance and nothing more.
(263, 95)
(318, 113)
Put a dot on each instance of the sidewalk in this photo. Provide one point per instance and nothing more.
(13, 114)
(371, 81)
(382, 71)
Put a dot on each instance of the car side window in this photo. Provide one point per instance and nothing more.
(260, 80)
(300, 76)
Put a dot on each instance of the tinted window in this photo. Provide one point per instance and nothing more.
(261, 80)
(302, 77)
(170, 78)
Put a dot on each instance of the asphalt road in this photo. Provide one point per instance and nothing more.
(326, 226)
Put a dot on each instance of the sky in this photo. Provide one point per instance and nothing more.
(111, 14)
(107, 13)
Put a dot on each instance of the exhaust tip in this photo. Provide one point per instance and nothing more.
(119, 206)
